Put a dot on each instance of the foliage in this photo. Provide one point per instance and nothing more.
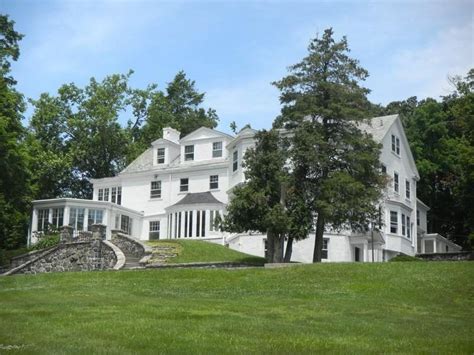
(46, 241)
(337, 165)
(441, 137)
(356, 308)
(266, 201)
(76, 135)
(15, 189)
(403, 258)
(179, 107)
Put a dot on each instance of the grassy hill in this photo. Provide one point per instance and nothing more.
(344, 308)
(200, 251)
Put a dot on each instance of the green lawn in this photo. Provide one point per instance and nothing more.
(425, 307)
(201, 251)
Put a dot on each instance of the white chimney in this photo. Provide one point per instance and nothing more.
(171, 134)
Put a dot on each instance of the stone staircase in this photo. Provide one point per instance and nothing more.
(132, 262)
(163, 252)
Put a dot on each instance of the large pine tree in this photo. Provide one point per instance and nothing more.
(337, 164)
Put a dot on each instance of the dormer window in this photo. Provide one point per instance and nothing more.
(395, 144)
(217, 149)
(189, 152)
(160, 156)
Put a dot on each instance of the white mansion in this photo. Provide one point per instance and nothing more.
(177, 187)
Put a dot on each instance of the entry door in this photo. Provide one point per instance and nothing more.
(357, 254)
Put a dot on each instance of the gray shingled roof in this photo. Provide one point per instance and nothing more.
(198, 198)
(378, 126)
(143, 162)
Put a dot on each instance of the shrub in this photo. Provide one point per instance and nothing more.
(46, 241)
(405, 258)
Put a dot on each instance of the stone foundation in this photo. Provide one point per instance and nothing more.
(456, 256)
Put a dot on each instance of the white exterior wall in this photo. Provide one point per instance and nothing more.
(398, 201)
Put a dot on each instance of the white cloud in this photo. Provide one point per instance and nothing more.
(425, 70)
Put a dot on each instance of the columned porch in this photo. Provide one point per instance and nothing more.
(194, 216)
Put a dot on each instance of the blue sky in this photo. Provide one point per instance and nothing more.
(235, 49)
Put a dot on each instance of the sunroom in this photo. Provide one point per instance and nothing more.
(81, 215)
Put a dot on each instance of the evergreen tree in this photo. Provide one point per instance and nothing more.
(267, 202)
(337, 164)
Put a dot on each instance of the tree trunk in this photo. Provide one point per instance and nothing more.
(318, 243)
(278, 248)
(270, 246)
(289, 250)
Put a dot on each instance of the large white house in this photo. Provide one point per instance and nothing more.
(177, 187)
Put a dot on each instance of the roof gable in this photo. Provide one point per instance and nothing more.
(205, 133)
(164, 142)
(378, 128)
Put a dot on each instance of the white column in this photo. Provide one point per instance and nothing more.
(66, 215)
(192, 218)
(182, 224)
(435, 247)
(34, 222)
(208, 222)
(366, 252)
(86, 218)
(50, 216)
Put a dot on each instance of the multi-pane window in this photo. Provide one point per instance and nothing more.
(395, 144)
(408, 228)
(155, 191)
(106, 194)
(43, 215)
(324, 254)
(404, 226)
(94, 217)
(235, 160)
(126, 224)
(76, 218)
(114, 195)
(395, 182)
(384, 169)
(189, 152)
(217, 149)
(393, 222)
(100, 196)
(184, 185)
(407, 189)
(119, 195)
(160, 155)
(154, 232)
(214, 182)
(58, 217)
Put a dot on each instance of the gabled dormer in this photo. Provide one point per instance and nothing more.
(166, 149)
(204, 144)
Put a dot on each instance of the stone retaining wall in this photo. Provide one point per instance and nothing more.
(21, 259)
(454, 256)
(89, 252)
(129, 245)
(77, 256)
